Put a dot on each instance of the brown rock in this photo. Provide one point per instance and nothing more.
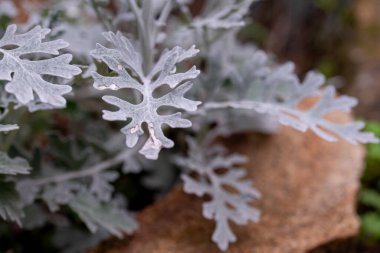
(309, 189)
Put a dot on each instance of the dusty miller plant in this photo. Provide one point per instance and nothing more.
(144, 69)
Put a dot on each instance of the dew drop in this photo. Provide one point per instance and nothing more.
(101, 87)
(114, 87)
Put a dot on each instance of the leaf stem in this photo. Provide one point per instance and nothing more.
(88, 171)
(145, 24)
(165, 14)
(106, 23)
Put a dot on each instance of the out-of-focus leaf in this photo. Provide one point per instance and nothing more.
(371, 225)
(13, 166)
(10, 205)
(95, 215)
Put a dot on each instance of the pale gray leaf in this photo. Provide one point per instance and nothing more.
(223, 14)
(225, 205)
(13, 166)
(280, 94)
(25, 77)
(124, 53)
(59, 194)
(10, 205)
(7, 128)
(101, 185)
(125, 57)
(27, 191)
(97, 215)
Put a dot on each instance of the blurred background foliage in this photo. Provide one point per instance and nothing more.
(340, 38)
(314, 34)
(369, 195)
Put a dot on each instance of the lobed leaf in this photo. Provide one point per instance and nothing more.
(126, 62)
(225, 205)
(224, 14)
(10, 205)
(278, 92)
(95, 215)
(13, 166)
(25, 77)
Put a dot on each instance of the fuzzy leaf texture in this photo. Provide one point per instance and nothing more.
(101, 185)
(10, 205)
(59, 194)
(126, 62)
(8, 127)
(223, 14)
(95, 215)
(277, 91)
(224, 206)
(25, 76)
(13, 166)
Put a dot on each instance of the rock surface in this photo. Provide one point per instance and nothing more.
(309, 191)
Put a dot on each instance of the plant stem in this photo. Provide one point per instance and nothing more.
(149, 36)
(88, 171)
(106, 23)
(145, 24)
(165, 14)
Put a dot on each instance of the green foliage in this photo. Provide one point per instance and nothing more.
(326, 5)
(369, 195)
(372, 170)
(371, 225)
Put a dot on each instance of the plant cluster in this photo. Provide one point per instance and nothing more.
(166, 75)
